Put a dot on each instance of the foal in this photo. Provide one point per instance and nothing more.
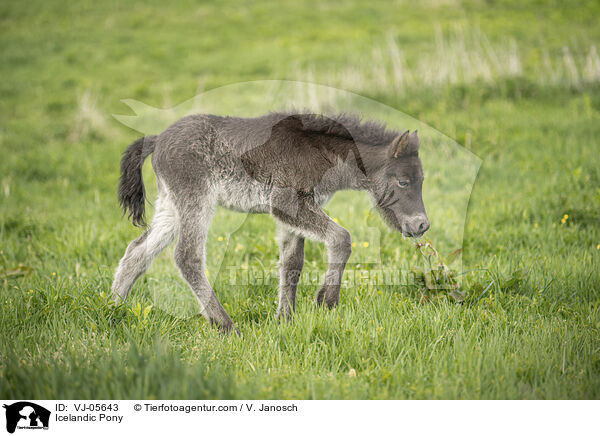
(288, 165)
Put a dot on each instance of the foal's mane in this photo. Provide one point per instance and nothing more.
(344, 125)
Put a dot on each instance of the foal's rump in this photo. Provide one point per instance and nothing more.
(177, 160)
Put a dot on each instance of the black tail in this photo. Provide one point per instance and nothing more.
(132, 194)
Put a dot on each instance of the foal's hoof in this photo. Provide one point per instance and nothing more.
(284, 314)
(326, 297)
(227, 328)
(116, 298)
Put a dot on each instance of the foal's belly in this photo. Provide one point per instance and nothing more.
(249, 198)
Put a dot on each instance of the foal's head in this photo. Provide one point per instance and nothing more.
(396, 186)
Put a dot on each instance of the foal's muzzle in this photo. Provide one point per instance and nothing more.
(416, 226)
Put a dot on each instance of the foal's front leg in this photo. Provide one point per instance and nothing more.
(302, 215)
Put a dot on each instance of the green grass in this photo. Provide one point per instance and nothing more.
(66, 66)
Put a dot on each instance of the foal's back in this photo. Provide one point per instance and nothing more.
(255, 155)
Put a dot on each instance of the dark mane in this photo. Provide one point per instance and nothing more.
(344, 125)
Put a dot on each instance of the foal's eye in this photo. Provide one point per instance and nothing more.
(402, 183)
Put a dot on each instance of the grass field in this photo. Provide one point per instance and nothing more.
(517, 84)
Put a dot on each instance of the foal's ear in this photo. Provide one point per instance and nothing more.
(404, 144)
(398, 145)
(413, 142)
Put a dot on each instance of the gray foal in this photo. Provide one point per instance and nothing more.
(287, 165)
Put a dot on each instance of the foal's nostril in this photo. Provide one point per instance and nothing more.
(423, 227)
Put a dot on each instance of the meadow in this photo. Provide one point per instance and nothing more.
(516, 85)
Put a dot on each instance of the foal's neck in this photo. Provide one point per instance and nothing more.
(353, 173)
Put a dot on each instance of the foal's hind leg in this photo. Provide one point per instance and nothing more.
(141, 251)
(190, 256)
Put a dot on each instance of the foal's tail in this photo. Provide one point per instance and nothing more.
(132, 194)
